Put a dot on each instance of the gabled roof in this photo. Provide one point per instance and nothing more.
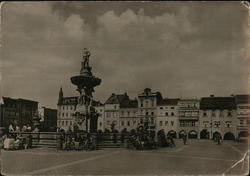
(218, 103)
(168, 101)
(69, 101)
(117, 99)
(129, 104)
(243, 99)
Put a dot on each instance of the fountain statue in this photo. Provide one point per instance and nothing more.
(85, 116)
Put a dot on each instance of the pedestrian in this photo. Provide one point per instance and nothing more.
(184, 139)
(172, 141)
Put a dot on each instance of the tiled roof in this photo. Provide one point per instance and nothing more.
(218, 103)
(168, 101)
(74, 100)
(242, 99)
(117, 99)
(69, 100)
(129, 104)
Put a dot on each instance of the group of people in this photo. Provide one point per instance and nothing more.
(11, 141)
(24, 128)
(77, 142)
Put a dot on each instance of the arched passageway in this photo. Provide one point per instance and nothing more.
(204, 134)
(192, 135)
(229, 136)
(172, 133)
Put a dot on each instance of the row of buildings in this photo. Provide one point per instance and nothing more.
(197, 118)
(22, 112)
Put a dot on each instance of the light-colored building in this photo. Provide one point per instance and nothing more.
(111, 111)
(218, 116)
(147, 107)
(100, 121)
(188, 118)
(243, 115)
(167, 116)
(128, 115)
(66, 107)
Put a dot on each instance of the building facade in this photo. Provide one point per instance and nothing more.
(188, 118)
(167, 116)
(218, 116)
(112, 110)
(48, 119)
(147, 108)
(18, 111)
(243, 115)
(128, 115)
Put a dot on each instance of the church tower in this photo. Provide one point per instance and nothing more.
(60, 99)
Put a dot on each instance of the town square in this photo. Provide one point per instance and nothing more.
(124, 88)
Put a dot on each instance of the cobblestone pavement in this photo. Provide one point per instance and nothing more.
(199, 157)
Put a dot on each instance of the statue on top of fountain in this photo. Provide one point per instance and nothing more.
(85, 69)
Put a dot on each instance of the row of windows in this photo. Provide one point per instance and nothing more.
(188, 105)
(172, 107)
(220, 114)
(169, 114)
(217, 124)
(65, 123)
(188, 114)
(188, 124)
(128, 113)
(128, 123)
(65, 114)
(67, 107)
(166, 123)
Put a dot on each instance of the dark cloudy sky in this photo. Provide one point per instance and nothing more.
(182, 49)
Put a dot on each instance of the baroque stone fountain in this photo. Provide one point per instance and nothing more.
(86, 116)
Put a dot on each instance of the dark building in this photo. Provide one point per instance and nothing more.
(48, 119)
(17, 111)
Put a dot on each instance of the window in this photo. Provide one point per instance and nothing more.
(66, 114)
(229, 114)
(204, 114)
(108, 114)
(100, 124)
(161, 107)
(63, 114)
(134, 122)
(172, 107)
(152, 121)
(71, 107)
(172, 114)
(146, 104)
(66, 123)
(63, 107)
(122, 113)
(70, 123)
(152, 113)
(108, 122)
(160, 123)
(62, 122)
(217, 124)
(115, 106)
(141, 103)
(166, 123)
(166, 114)
(128, 123)
(122, 123)
(128, 113)
(152, 103)
(213, 113)
(228, 124)
(146, 113)
(172, 123)
(241, 122)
